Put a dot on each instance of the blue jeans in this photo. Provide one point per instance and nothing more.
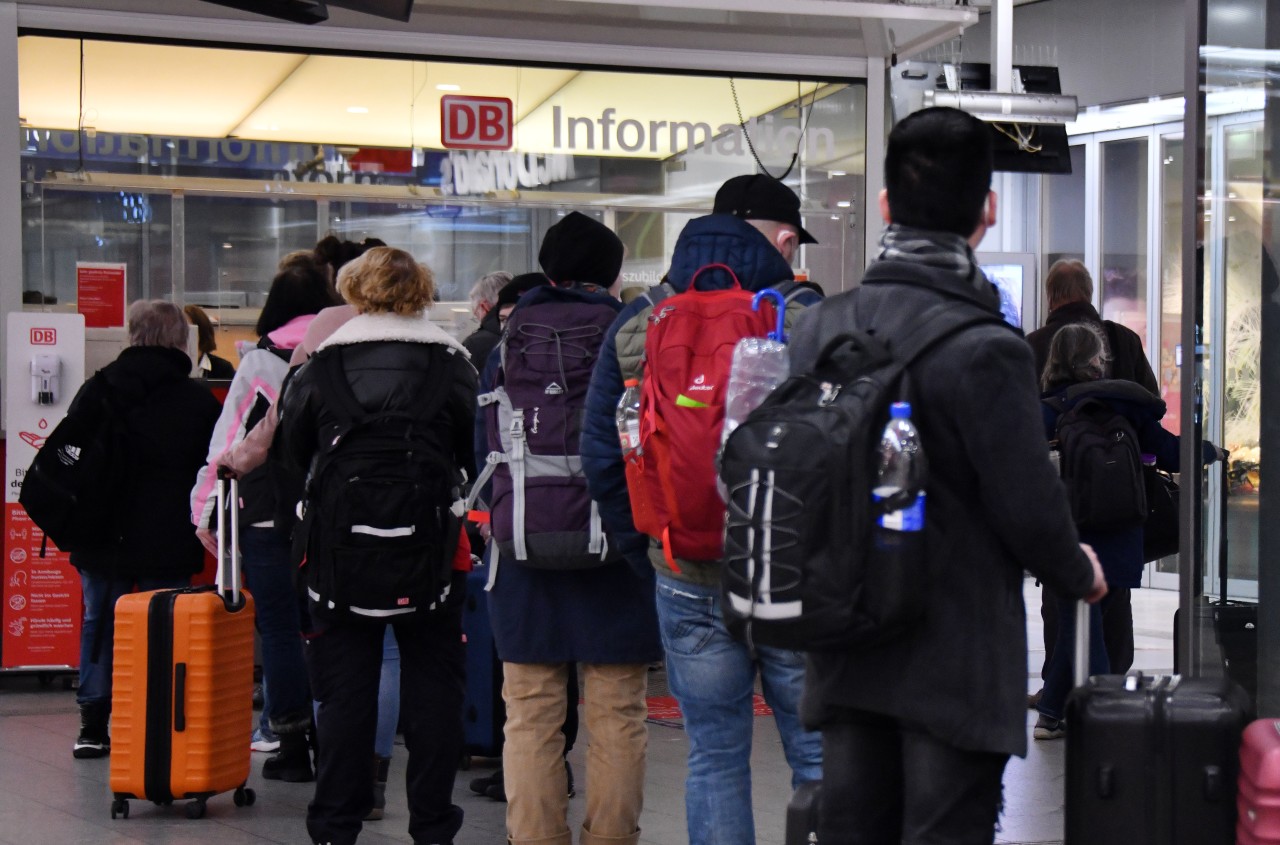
(388, 695)
(1059, 680)
(264, 554)
(712, 677)
(100, 595)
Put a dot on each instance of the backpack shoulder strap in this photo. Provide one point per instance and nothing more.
(941, 321)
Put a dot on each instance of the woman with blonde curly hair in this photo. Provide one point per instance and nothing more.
(388, 397)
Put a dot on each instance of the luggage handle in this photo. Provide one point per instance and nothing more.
(1082, 643)
(229, 538)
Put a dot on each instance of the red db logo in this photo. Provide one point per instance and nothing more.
(475, 123)
(44, 337)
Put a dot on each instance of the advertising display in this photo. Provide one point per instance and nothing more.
(42, 606)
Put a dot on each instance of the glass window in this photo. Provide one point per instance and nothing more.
(1170, 280)
(1064, 215)
(233, 245)
(63, 227)
(1123, 277)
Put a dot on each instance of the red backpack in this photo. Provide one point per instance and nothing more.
(688, 350)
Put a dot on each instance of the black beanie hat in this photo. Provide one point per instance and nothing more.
(519, 286)
(580, 249)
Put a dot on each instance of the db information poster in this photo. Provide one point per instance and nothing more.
(100, 294)
(41, 610)
(42, 598)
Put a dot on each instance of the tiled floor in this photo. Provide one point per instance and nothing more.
(48, 798)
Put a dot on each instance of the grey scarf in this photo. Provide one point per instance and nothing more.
(935, 249)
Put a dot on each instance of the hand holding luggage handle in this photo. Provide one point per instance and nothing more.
(229, 538)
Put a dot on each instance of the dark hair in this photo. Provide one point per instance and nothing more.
(333, 252)
(938, 171)
(1074, 356)
(205, 340)
(298, 289)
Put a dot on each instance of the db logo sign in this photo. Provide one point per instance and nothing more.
(475, 123)
(44, 337)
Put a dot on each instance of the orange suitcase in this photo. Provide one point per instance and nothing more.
(182, 688)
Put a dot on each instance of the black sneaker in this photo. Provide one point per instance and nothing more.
(95, 739)
(481, 785)
(90, 747)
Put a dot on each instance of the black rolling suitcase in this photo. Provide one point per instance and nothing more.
(802, 814)
(483, 711)
(1151, 759)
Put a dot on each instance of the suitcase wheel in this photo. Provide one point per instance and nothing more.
(195, 809)
(244, 797)
(120, 807)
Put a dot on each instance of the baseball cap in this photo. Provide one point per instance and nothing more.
(761, 197)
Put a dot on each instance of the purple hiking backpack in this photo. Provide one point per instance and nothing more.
(542, 513)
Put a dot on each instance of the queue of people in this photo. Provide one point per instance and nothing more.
(360, 430)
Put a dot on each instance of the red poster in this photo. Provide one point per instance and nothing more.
(100, 294)
(42, 609)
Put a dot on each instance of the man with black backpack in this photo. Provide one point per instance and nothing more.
(745, 245)
(918, 721)
(560, 592)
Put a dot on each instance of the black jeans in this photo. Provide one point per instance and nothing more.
(885, 784)
(1117, 628)
(344, 660)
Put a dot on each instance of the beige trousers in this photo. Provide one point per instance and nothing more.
(533, 756)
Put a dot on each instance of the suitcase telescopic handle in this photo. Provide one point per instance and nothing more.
(228, 537)
(1082, 643)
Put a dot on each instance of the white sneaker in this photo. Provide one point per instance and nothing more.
(264, 741)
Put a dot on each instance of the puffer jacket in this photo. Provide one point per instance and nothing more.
(387, 359)
(167, 422)
(714, 239)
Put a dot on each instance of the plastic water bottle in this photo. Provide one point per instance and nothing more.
(628, 416)
(902, 470)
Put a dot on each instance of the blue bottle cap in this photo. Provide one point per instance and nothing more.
(900, 410)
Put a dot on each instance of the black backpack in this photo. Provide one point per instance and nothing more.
(377, 531)
(1101, 464)
(68, 489)
(800, 564)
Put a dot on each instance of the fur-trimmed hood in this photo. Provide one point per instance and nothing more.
(366, 328)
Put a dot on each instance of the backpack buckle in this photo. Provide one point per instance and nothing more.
(829, 393)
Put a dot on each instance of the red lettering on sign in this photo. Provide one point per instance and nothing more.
(475, 123)
(44, 337)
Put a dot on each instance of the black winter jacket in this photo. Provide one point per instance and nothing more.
(1128, 360)
(168, 419)
(389, 361)
(481, 342)
(994, 508)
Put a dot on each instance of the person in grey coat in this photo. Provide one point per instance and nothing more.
(917, 730)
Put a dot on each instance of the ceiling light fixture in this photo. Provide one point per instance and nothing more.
(444, 86)
(1008, 108)
(357, 109)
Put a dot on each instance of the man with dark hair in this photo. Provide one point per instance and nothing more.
(917, 729)
(1070, 289)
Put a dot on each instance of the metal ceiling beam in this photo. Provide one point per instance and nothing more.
(427, 44)
(807, 8)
